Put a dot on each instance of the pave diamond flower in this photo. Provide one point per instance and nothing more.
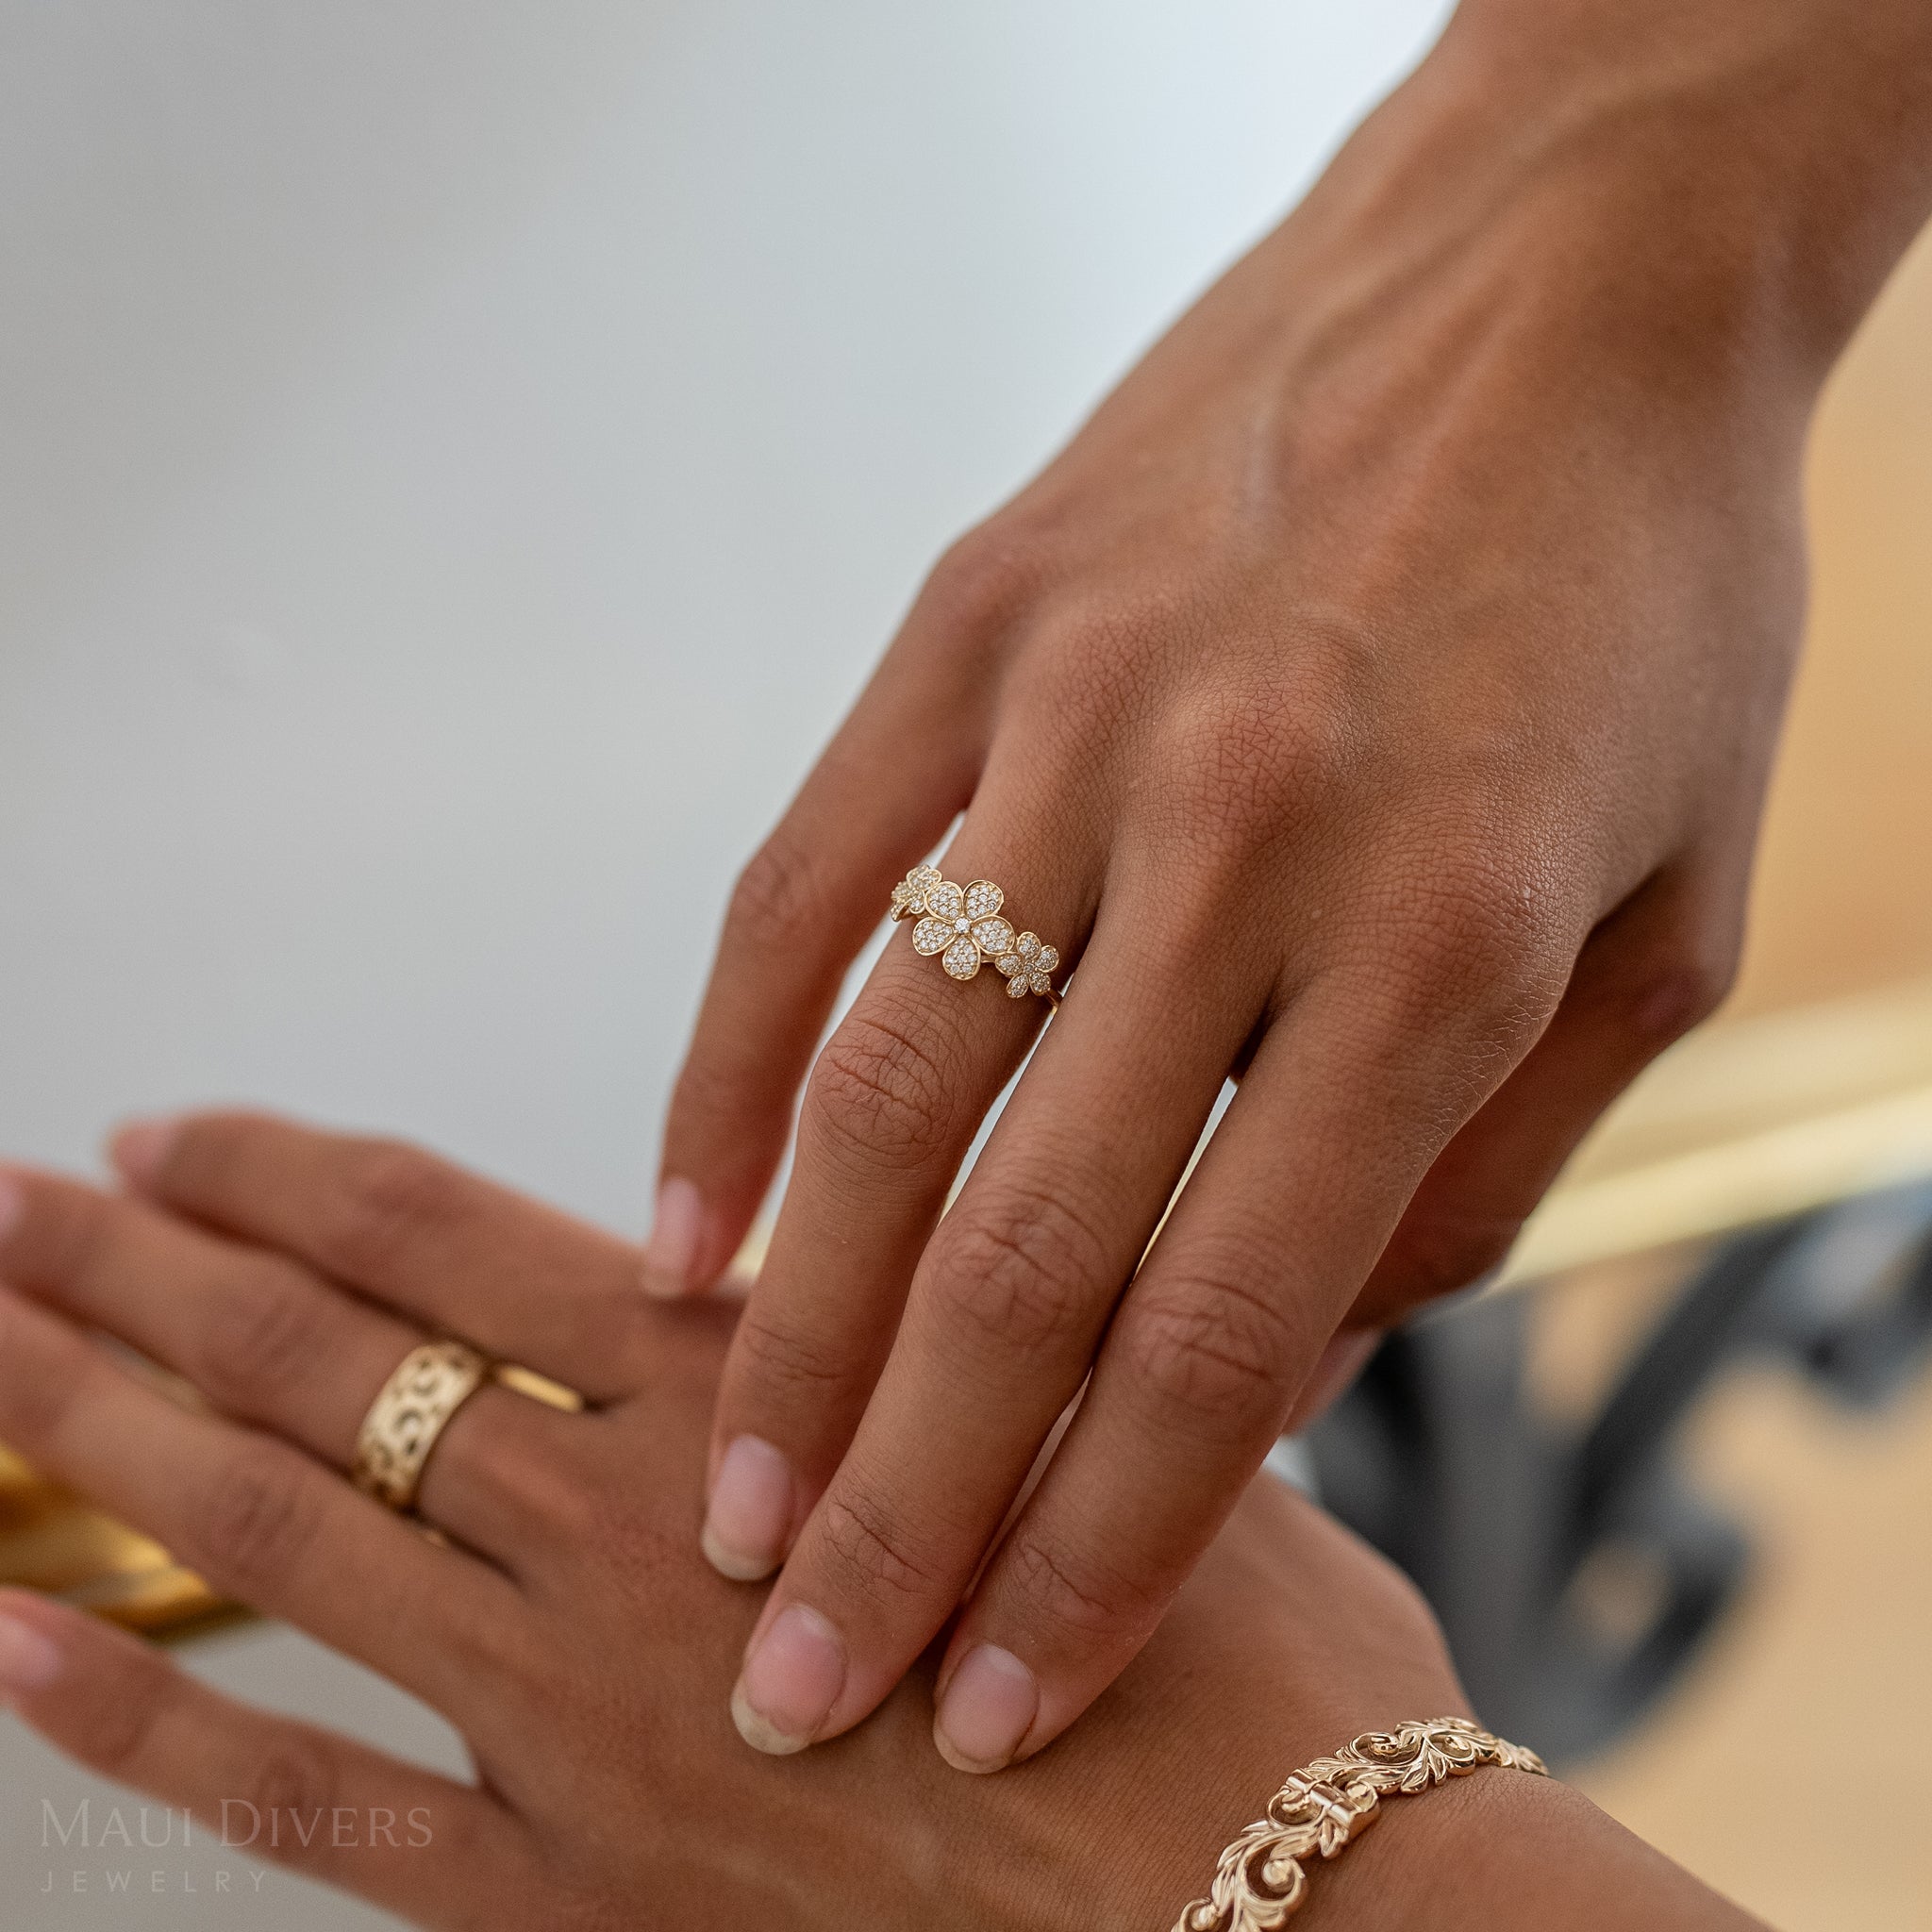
(909, 895)
(963, 924)
(965, 928)
(945, 921)
(944, 900)
(1029, 967)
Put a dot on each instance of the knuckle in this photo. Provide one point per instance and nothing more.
(118, 1725)
(1480, 944)
(778, 901)
(394, 1196)
(868, 1553)
(1466, 912)
(1021, 1274)
(787, 1364)
(1072, 1590)
(1253, 760)
(1440, 1255)
(1095, 646)
(1210, 1356)
(256, 1520)
(267, 1342)
(1087, 695)
(1671, 996)
(295, 1783)
(981, 581)
(881, 1088)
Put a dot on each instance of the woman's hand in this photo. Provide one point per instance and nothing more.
(285, 1273)
(1374, 702)
(565, 1617)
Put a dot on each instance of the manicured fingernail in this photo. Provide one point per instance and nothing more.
(790, 1682)
(672, 1252)
(987, 1708)
(12, 1201)
(28, 1660)
(750, 1510)
(140, 1147)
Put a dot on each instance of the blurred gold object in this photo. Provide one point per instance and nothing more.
(54, 1540)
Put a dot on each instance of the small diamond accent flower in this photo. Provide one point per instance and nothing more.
(1030, 966)
(909, 895)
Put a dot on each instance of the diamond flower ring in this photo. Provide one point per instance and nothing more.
(964, 926)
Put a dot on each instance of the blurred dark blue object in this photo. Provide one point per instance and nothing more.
(1574, 1570)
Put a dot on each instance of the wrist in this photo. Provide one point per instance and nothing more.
(1496, 1847)
(1514, 1854)
(1756, 170)
(1127, 1835)
(1290, 1642)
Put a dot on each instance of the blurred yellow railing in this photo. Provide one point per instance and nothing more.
(1744, 1124)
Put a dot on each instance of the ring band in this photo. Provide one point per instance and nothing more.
(964, 925)
(394, 1444)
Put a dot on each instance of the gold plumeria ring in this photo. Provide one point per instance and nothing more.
(964, 925)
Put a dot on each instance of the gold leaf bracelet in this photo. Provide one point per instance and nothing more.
(1260, 1881)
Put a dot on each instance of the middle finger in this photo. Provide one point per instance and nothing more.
(890, 1112)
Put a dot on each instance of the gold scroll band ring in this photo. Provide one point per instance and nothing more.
(964, 925)
(393, 1446)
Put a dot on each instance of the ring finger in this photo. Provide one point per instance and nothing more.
(266, 1524)
(890, 1112)
(268, 1343)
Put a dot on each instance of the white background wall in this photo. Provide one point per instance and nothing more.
(456, 462)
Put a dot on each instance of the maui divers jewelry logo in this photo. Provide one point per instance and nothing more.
(118, 1836)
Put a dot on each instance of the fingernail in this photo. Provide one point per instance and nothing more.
(12, 1201)
(987, 1708)
(790, 1682)
(672, 1252)
(749, 1512)
(28, 1660)
(140, 1147)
